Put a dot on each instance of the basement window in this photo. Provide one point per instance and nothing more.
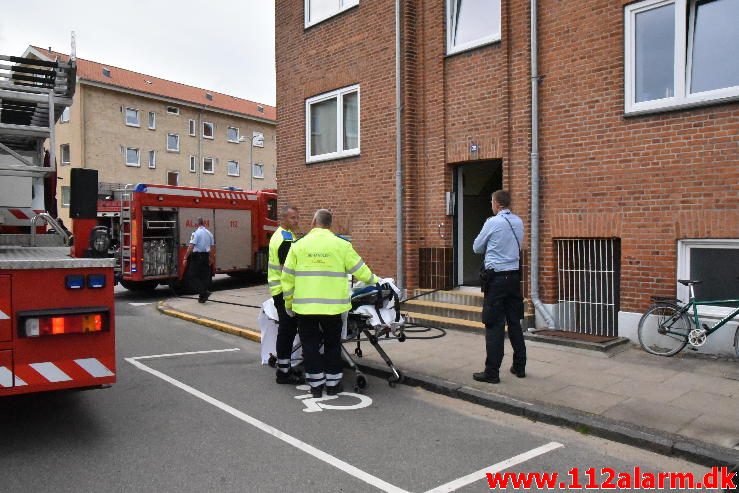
(709, 261)
(471, 23)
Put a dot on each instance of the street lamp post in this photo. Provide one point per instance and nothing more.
(251, 160)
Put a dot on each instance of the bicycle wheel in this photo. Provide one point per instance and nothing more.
(662, 331)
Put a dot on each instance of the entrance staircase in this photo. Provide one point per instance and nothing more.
(455, 309)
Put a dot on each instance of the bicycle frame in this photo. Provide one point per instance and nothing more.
(696, 319)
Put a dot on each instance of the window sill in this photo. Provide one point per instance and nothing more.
(232, 141)
(133, 165)
(152, 128)
(234, 176)
(132, 125)
(209, 172)
(332, 157)
(258, 177)
(683, 104)
(177, 151)
(64, 164)
(206, 137)
(473, 46)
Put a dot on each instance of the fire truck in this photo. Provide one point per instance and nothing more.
(152, 227)
(56, 300)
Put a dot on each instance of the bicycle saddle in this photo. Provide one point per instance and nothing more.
(688, 282)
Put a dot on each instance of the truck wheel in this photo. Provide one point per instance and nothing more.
(140, 285)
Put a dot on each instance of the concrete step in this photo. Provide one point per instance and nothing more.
(454, 297)
(425, 320)
(449, 310)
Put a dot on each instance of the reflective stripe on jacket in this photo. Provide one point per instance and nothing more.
(274, 263)
(314, 278)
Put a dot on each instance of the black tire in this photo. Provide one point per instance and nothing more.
(736, 342)
(653, 337)
(140, 286)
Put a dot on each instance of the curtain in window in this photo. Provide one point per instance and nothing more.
(655, 53)
(715, 45)
(351, 121)
(323, 127)
(474, 20)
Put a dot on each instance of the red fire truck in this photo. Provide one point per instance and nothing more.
(56, 301)
(155, 222)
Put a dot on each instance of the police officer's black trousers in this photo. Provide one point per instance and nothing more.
(287, 328)
(503, 304)
(198, 267)
(316, 330)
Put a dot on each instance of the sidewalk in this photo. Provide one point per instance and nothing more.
(683, 405)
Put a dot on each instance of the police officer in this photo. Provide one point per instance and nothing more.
(500, 240)
(316, 288)
(200, 257)
(279, 245)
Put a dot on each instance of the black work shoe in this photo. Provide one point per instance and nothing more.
(519, 372)
(336, 389)
(201, 299)
(486, 377)
(316, 392)
(289, 378)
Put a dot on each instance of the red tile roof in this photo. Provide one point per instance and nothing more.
(134, 81)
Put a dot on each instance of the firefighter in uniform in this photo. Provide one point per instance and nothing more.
(315, 286)
(279, 245)
(200, 258)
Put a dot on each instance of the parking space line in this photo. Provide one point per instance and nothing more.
(172, 355)
(478, 475)
(290, 440)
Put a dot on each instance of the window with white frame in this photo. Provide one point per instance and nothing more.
(64, 154)
(65, 196)
(152, 120)
(257, 139)
(209, 165)
(192, 128)
(65, 115)
(173, 142)
(193, 165)
(233, 168)
(152, 159)
(173, 110)
(173, 178)
(132, 157)
(132, 117)
(332, 125)
(680, 53)
(233, 134)
(257, 170)
(709, 261)
(207, 130)
(471, 23)
(320, 10)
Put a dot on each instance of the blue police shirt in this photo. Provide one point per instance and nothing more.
(202, 240)
(497, 242)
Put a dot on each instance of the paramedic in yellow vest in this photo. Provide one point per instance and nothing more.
(316, 287)
(279, 245)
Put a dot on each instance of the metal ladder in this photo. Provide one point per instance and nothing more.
(125, 264)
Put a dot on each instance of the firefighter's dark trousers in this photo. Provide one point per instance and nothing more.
(316, 330)
(287, 328)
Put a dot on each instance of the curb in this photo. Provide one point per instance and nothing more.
(213, 324)
(642, 437)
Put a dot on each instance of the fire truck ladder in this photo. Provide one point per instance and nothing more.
(125, 265)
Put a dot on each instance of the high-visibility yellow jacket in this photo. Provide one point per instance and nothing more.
(279, 244)
(314, 278)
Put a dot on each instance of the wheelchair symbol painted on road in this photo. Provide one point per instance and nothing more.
(318, 404)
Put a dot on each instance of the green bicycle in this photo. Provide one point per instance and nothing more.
(668, 325)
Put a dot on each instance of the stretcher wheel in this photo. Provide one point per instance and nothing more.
(358, 352)
(401, 338)
(360, 383)
(272, 361)
(392, 381)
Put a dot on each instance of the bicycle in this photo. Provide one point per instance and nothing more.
(668, 325)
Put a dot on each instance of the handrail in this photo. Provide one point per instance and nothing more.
(51, 222)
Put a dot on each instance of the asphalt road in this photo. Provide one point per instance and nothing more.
(215, 421)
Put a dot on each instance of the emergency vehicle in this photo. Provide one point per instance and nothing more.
(155, 222)
(56, 300)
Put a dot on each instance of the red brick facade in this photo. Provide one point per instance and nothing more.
(648, 180)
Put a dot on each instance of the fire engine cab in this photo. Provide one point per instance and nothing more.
(56, 300)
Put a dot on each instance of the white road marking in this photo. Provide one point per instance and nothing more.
(478, 475)
(290, 440)
(314, 405)
(172, 355)
(139, 304)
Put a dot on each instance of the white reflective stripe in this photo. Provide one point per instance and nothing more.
(4, 316)
(318, 273)
(288, 293)
(334, 376)
(354, 269)
(94, 367)
(323, 301)
(50, 372)
(273, 284)
(288, 271)
(275, 267)
(6, 378)
(270, 228)
(314, 375)
(170, 191)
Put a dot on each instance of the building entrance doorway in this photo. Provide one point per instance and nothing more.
(475, 184)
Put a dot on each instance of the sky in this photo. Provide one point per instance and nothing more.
(222, 45)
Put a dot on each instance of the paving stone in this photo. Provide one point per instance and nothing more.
(651, 414)
(709, 403)
(713, 385)
(584, 399)
(713, 429)
(650, 391)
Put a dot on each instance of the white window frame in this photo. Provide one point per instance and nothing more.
(213, 165)
(238, 134)
(343, 6)
(65, 115)
(259, 166)
(193, 165)
(684, 13)
(152, 159)
(138, 157)
(152, 120)
(61, 155)
(169, 149)
(69, 194)
(451, 27)
(138, 117)
(192, 128)
(683, 271)
(340, 152)
(257, 139)
(228, 168)
(212, 130)
(173, 110)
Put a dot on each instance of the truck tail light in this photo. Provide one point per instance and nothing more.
(37, 326)
(134, 259)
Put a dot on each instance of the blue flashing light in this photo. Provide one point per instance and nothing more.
(140, 187)
(74, 281)
(95, 281)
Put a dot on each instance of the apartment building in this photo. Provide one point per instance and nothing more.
(135, 128)
(638, 140)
